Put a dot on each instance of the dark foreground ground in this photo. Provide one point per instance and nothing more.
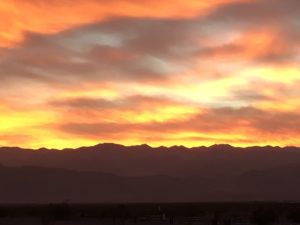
(146, 214)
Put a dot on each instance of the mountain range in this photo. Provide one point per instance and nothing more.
(116, 173)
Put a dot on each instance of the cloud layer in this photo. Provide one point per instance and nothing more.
(189, 72)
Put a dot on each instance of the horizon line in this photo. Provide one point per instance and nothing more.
(154, 147)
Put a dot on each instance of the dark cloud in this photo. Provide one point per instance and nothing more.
(246, 121)
(134, 102)
(249, 96)
(44, 59)
(41, 59)
(142, 49)
(279, 18)
(270, 12)
(270, 92)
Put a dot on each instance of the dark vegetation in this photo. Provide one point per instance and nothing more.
(210, 213)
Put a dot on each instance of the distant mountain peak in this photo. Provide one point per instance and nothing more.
(108, 145)
(222, 146)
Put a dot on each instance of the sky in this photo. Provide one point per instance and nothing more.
(170, 72)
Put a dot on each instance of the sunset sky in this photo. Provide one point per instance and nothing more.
(169, 72)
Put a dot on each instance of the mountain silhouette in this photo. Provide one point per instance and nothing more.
(116, 173)
(143, 160)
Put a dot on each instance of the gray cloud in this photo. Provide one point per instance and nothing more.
(144, 49)
(133, 102)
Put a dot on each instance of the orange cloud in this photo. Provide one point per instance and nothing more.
(20, 16)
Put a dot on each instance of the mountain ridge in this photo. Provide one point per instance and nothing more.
(108, 144)
(217, 160)
(140, 173)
